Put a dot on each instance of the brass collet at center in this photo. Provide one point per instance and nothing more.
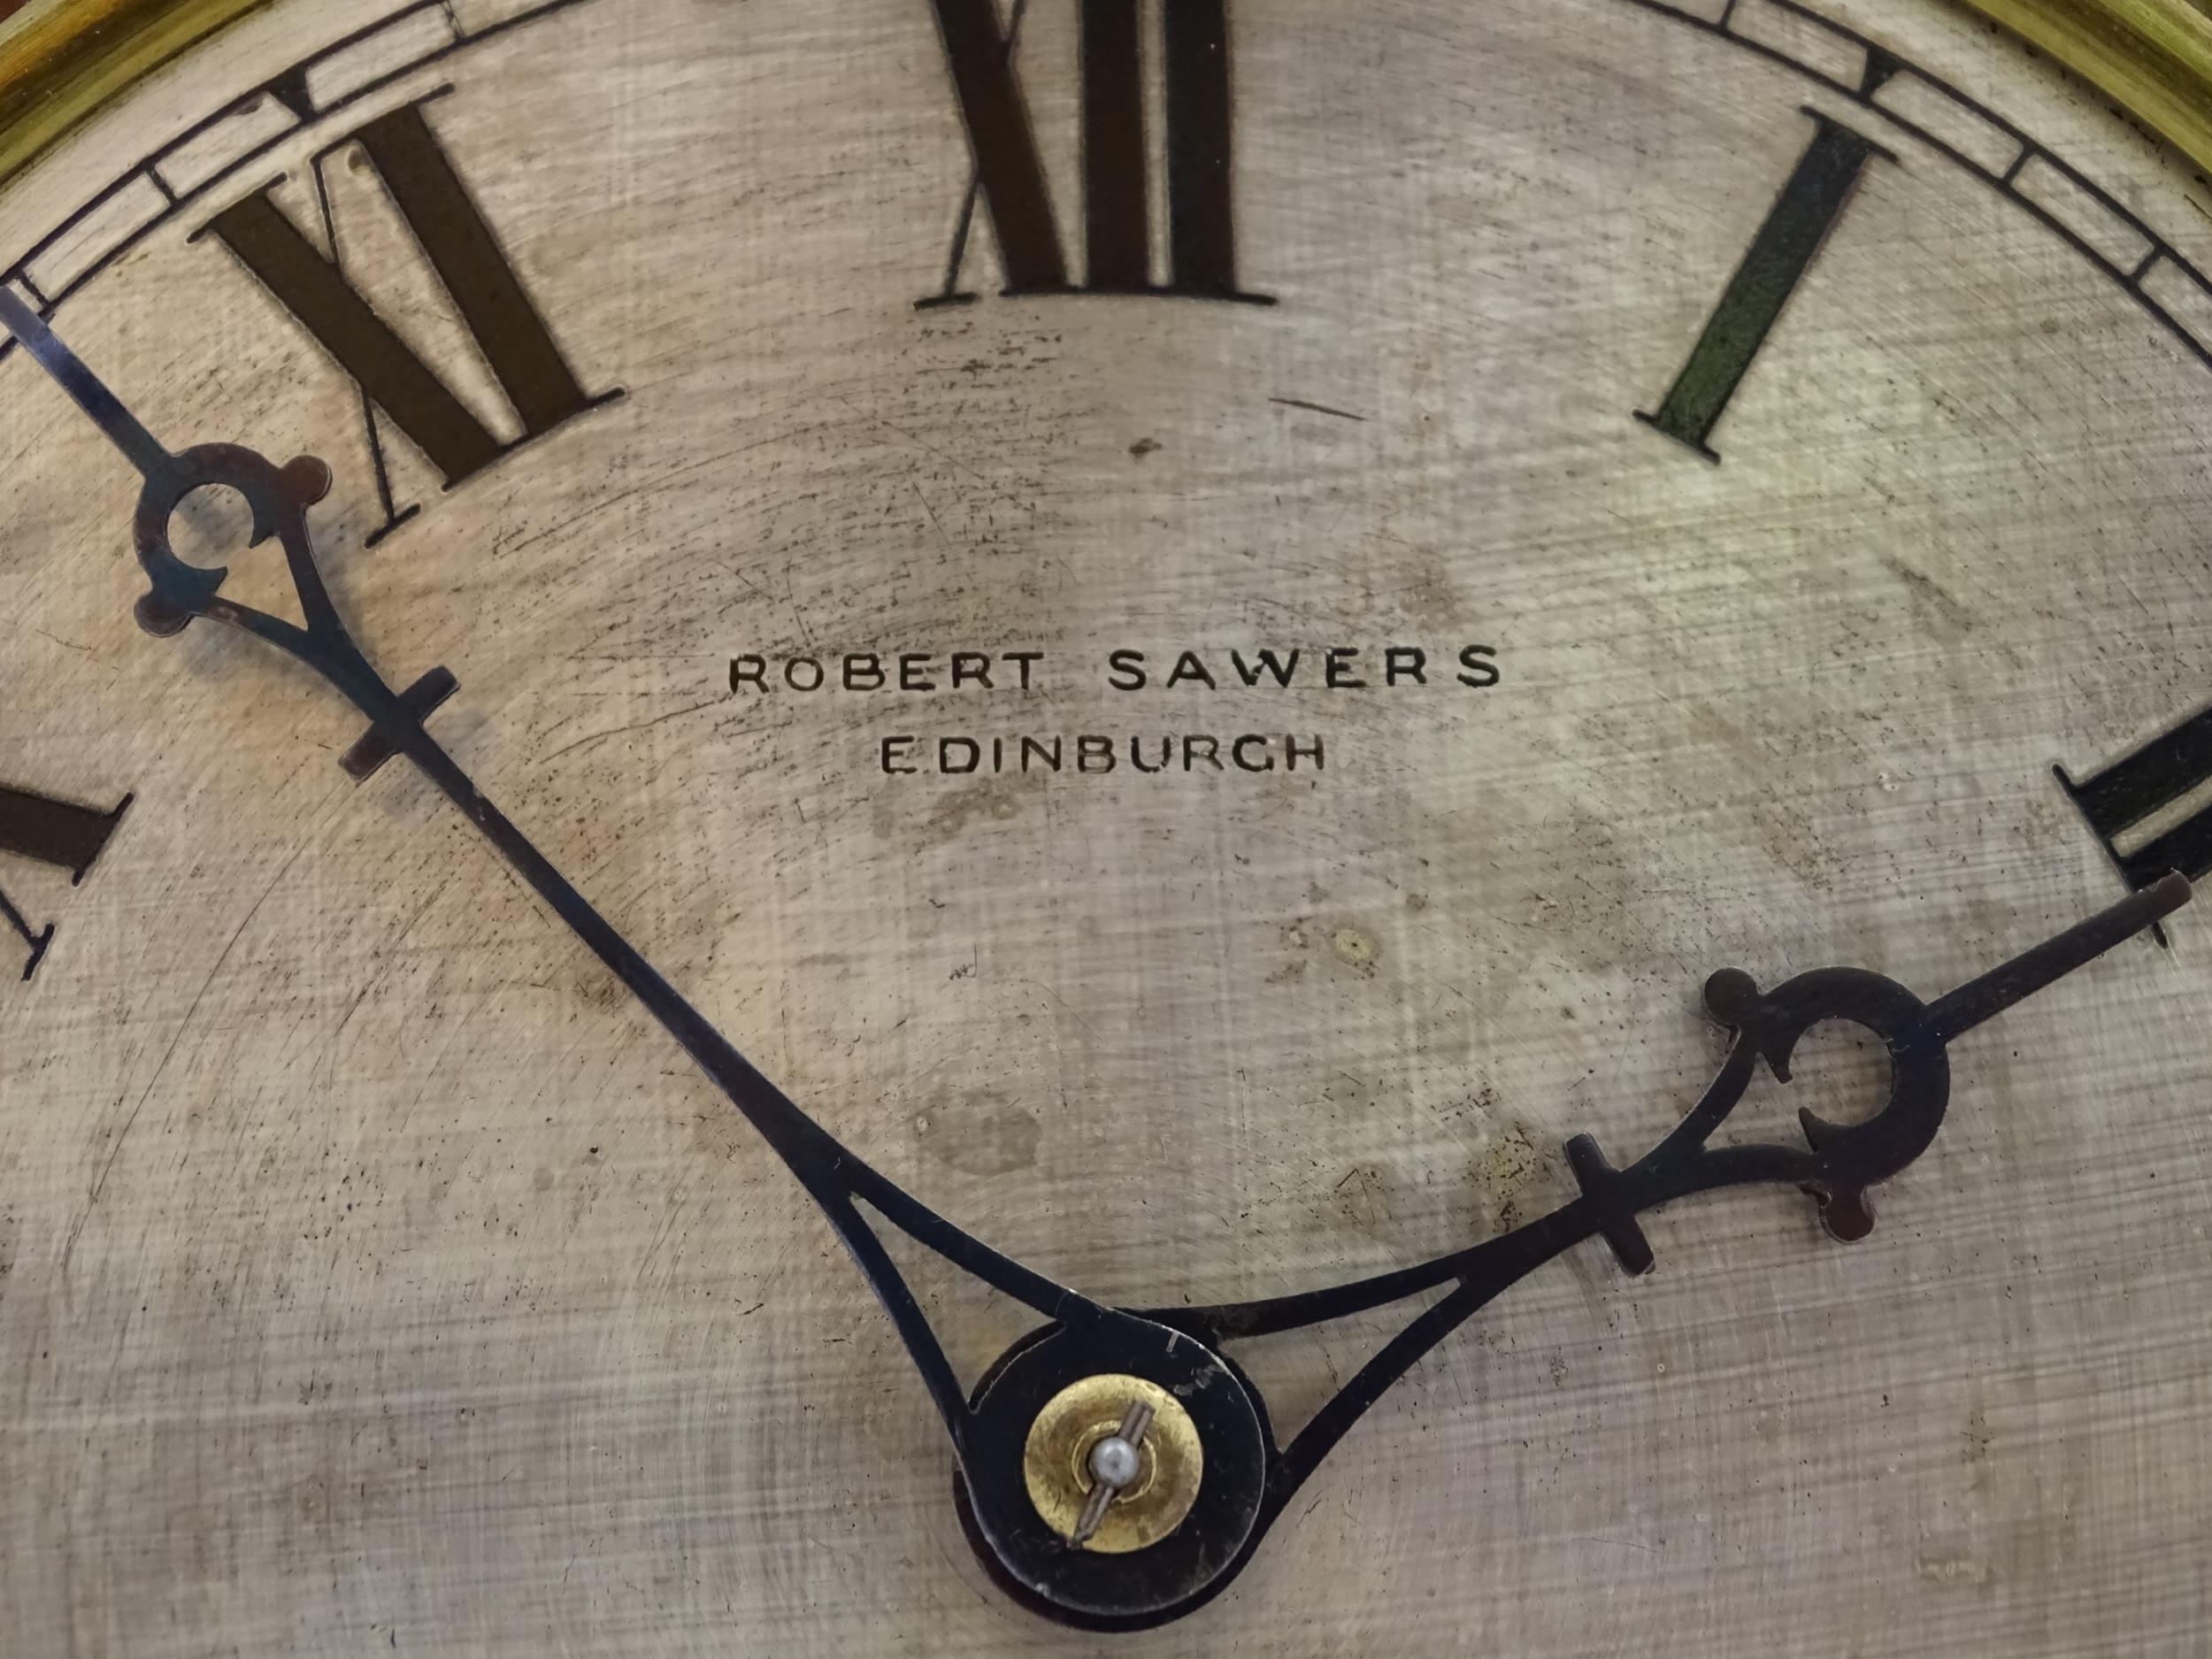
(1057, 1463)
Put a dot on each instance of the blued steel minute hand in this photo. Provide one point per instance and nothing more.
(1248, 1479)
(279, 498)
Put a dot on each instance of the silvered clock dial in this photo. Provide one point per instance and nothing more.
(1176, 690)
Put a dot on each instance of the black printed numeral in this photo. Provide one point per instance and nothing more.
(2130, 792)
(1811, 202)
(508, 328)
(51, 831)
(1009, 177)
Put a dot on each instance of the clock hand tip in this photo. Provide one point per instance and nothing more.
(2041, 965)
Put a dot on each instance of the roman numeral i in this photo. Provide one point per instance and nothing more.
(1812, 199)
(1009, 177)
(509, 330)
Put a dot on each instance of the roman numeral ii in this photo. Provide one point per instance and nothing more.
(1009, 177)
(505, 323)
(49, 832)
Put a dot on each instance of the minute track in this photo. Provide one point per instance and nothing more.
(1248, 1478)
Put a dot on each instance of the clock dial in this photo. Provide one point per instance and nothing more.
(1217, 650)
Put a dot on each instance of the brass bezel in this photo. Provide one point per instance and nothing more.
(62, 60)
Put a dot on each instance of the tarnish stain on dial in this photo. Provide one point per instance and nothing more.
(998, 800)
(977, 1132)
(1945, 615)
(1352, 950)
(1356, 948)
(1503, 1171)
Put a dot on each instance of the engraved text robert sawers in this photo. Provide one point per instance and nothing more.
(898, 677)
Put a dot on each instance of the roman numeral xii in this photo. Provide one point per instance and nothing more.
(1008, 178)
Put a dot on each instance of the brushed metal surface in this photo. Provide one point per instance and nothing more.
(372, 1277)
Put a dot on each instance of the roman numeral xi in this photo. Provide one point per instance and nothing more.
(1117, 186)
(53, 832)
(509, 330)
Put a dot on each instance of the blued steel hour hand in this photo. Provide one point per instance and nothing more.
(1115, 1468)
